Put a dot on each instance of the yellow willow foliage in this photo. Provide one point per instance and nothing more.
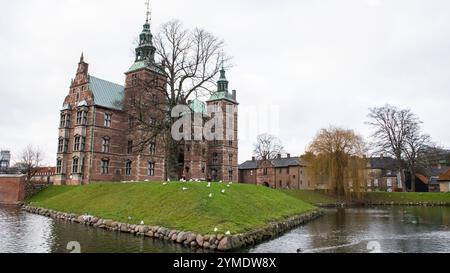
(336, 158)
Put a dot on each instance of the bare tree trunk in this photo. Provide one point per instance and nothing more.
(413, 179)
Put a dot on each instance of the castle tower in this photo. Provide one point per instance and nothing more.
(144, 85)
(223, 152)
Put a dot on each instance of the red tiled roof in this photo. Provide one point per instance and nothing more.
(46, 171)
(445, 176)
(422, 178)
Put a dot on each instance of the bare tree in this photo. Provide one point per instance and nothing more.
(267, 147)
(187, 61)
(391, 129)
(29, 161)
(416, 148)
(336, 156)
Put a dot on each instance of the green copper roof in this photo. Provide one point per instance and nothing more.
(106, 94)
(144, 64)
(222, 96)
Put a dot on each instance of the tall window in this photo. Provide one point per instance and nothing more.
(230, 159)
(60, 145)
(59, 166)
(84, 118)
(130, 122)
(77, 143)
(108, 120)
(83, 143)
(128, 167)
(75, 164)
(153, 147)
(79, 117)
(265, 171)
(151, 168)
(130, 147)
(105, 144)
(203, 169)
(62, 123)
(105, 166)
(215, 159)
(230, 175)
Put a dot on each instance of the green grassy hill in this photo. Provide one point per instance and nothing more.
(241, 208)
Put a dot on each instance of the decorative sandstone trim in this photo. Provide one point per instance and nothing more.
(189, 239)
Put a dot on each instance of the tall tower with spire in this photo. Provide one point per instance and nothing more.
(223, 152)
(146, 51)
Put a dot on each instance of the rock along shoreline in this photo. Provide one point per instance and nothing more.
(217, 242)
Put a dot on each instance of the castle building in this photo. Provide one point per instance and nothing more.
(96, 141)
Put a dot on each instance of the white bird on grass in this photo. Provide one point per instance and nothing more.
(210, 195)
(129, 218)
(231, 183)
(216, 229)
(222, 191)
(228, 233)
(209, 185)
(165, 183)
(184, 189)
(220, 181)
(190, 180)
(142, 222)
(168, 180)
(228, 186)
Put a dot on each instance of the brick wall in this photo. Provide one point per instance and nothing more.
(12, 189)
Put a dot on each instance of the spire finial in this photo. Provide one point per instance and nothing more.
(82, 57)
(149, 12)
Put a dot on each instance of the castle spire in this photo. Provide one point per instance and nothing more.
(82, 57)
(222, 83)
(148, 13)
(146, 51)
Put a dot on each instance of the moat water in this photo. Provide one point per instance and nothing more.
(379, 229)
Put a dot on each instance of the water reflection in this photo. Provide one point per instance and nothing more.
(397, 229)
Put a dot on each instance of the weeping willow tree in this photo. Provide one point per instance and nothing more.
(336, 157)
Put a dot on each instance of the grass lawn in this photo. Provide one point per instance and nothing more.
(316, 197)
(241, 208)
(407, 197)
(400, 198)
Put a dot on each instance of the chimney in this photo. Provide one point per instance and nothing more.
(288, 155)
(279, 156)
(234, 94)
(253, 158)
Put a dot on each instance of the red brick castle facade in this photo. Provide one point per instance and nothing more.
(95, 142)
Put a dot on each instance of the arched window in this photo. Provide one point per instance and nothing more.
(128, 167)
(105, 166)
(77, 143)
(59, 165)
(151, 168)
(61, 145)
(215, 159)
(152, 147)
(75, 165)
(106, 141)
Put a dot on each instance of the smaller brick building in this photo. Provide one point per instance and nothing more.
(279, 173)
(382, 175)
(44, 175)
(444, 182)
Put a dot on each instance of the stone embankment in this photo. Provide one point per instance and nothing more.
(218, 242)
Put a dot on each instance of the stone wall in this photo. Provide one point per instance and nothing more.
(12, 189)
(218, 242)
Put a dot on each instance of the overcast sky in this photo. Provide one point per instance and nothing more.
(312, 63)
